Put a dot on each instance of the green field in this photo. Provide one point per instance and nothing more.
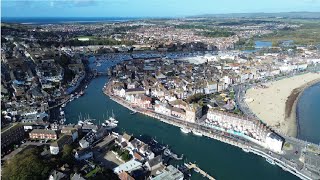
(307, 34)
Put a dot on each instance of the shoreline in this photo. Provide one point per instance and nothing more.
(291, 108)
(276, 105)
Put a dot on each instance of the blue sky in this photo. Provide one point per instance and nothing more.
(148, 8)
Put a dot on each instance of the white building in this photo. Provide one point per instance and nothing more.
(128, 166)
(274, 142)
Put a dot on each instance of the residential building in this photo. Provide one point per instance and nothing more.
(43, 134)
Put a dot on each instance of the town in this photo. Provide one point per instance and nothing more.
(191, 73)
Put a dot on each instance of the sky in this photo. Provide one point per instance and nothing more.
(148, 8)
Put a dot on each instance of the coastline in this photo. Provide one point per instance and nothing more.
(276, 105)
(292, 102)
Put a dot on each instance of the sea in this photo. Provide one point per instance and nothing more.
(64, 20)
(308, 114)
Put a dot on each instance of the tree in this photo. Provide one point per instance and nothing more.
(26, 165)
(67, 155)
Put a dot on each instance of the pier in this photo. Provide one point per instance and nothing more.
(197, 169)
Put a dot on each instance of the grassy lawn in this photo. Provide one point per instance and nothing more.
(93, 172)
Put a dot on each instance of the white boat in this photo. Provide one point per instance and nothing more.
(98, 64)
(197, 133)
(80, 122)
(271, 161)
(245, 150)
(185, 130)
(110, 126)
(133, 112)
(63, 105)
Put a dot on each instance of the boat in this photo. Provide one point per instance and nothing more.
(110, 126)
(112, 118)
(81, 93)
(197, 133)
(245, 150)
(133, 112)
(196, 170)
(98, 64)
(63, 105)
(185, 130)
(271, 161)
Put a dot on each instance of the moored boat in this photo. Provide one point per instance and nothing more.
(133, 112)
(245, 150)
(197, 133)
(185, 130)
(271, 161)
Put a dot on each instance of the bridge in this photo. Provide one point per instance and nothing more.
(199, 170)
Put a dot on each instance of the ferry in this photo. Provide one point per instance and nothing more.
(197, 133)
(185, 130)
(271, 161)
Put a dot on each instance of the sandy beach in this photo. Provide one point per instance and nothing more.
(275, 105)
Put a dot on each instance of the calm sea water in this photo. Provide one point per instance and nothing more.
(220, 160)
(308, 114)
(60, 20)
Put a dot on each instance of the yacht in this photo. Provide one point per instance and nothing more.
(271, 161)
(185, 130)
(197, 133)
(112, 118)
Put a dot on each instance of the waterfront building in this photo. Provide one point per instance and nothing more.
(169, 173)
(274, 142)
(128, 166)
(250, 129)
(43, 134)
(70, 131)
(154, 163)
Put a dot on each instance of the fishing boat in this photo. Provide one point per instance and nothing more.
(185, 130)
(197, 133)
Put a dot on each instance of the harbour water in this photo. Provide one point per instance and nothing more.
(308, 114)
(220, 160)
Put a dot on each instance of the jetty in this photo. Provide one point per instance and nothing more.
(197, 169)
